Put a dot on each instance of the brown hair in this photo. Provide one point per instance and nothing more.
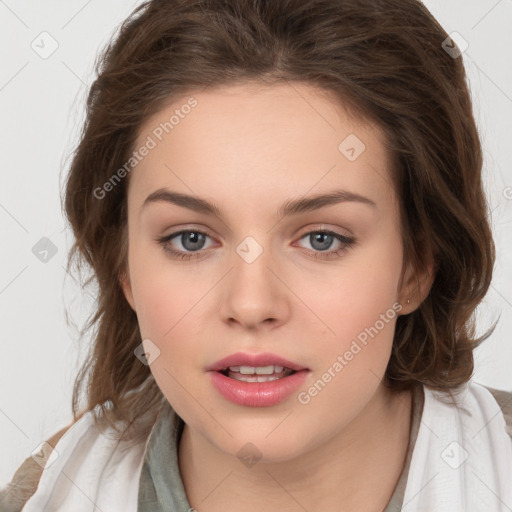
(385, 61)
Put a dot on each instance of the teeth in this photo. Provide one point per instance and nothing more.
(254, 377)
(258, 370)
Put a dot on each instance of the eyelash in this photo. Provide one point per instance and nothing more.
(348, 242)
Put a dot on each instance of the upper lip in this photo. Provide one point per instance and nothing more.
(247, 359)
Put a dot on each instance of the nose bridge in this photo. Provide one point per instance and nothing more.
(253, 292)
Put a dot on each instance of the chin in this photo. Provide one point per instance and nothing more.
(259, 447)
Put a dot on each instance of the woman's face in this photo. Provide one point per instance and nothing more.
(253, 280)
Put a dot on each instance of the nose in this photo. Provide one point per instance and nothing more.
(253, 294)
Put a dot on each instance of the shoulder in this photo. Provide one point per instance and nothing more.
(504, 400)
(477, 400)
(87, 442)
(26, 478)
(99, 458)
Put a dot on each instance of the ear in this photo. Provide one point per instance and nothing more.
(415, 286)
(126, 285)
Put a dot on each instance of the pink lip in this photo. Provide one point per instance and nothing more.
(247, 359)
(257, 394)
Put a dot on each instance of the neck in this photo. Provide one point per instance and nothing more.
(356, 469)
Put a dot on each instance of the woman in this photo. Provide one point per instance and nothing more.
(282, 205)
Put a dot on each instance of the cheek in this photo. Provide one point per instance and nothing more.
(168, 306)
(358, 310)
(164, 292)
(354, 296)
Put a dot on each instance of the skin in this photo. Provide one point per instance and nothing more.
(249, 148)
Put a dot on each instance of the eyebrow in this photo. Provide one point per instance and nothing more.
(290, 207)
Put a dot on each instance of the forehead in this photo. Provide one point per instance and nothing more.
(260, 143)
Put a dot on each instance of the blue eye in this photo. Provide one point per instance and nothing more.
(190, 240)
(322, 240)
(193, 242)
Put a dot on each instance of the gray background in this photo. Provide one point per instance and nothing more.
(42, 101)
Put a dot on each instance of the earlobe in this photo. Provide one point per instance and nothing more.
(126, 286)
(416, 287)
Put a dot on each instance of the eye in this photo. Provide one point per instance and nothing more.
(190, 240)
(322, 240)
(193, 242)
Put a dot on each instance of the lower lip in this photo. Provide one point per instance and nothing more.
(257, 394)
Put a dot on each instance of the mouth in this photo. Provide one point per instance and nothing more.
(257, 386)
